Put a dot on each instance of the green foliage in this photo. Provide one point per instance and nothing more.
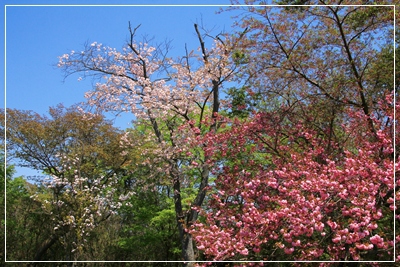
(149, 228)
(23, 216)
(239, 57)
(358, 19)
(242, 101)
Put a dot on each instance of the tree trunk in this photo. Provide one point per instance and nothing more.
(187, 249)
(186, 238)
(184, 221)
(45, 247)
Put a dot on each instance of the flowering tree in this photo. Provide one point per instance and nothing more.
(283, 196)
(310, 74)
(174, 107)
(82, 155)
(308, 175)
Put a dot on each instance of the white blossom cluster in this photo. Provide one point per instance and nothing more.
(78, 204)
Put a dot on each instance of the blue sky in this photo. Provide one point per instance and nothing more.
(37, 35)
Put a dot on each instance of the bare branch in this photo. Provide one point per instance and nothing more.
(203, 49)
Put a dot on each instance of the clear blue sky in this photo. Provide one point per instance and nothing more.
(37, 35)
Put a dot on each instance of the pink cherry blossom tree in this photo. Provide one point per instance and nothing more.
(172, 97)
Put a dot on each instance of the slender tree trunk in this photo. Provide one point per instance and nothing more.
(188, 253)
(185, 220)
(186, 238)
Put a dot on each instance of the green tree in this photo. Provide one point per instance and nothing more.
(149, 229)
(80, 153)
(23, 216)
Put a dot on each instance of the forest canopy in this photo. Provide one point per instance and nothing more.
(272, 142)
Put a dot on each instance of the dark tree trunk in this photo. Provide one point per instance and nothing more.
(40, 253)
(185, 220)
(186, 238)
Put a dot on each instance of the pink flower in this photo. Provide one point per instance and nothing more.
(244, 251)
(336, 239)
(288, 250)
(194, 163)
(319, 226)
(297, 243)
(333, 225)
(376, 239)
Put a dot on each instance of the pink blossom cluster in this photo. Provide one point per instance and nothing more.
(277, 200)
(130, 79)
